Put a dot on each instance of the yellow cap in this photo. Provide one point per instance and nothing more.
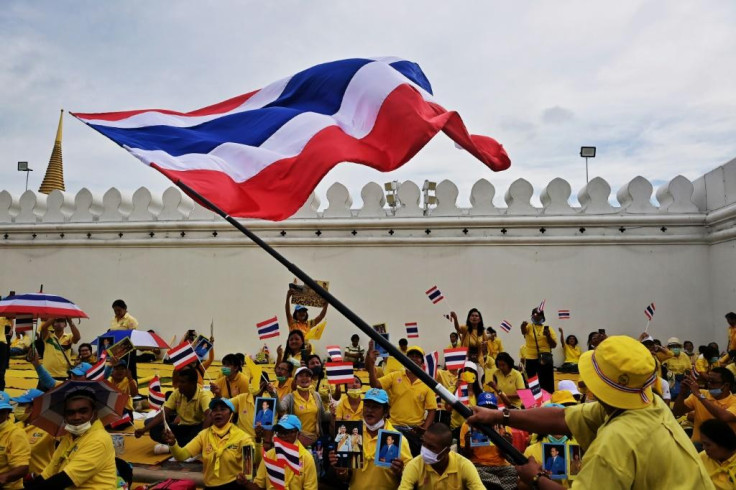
(416, 348)
(563, 397)
(620, 372)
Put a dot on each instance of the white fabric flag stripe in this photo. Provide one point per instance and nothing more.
(535, 388)
(339, 372)
(97, 371)
(288, 453)
(455, 358)
(276, 472)
(41, 303)
(334, 352)
(182, 355)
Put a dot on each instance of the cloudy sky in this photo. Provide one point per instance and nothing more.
(651, 84)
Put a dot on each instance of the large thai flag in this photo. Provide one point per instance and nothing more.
(261, 154)
(455, 358)
(268, 328)
(182, 355)
(288, 453)
(431, 361)
(155, 397)
(276, 472)
(339, 372)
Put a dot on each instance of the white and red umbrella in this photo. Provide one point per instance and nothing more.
(40, 305)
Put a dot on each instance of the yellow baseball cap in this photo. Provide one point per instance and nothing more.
(563, 397)
(416, 348)
(620, 372)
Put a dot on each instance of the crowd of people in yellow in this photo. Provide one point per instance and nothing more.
(615, 413)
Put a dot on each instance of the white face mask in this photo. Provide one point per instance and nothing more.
(375, 426)
(78, 430)
(430, 457)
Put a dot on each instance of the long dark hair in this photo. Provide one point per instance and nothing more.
(287, 350)
(480, 329)
(234, 361)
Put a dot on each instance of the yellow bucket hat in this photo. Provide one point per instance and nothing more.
(563, 397)
(620, 372)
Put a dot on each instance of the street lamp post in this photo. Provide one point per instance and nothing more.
(23, 167)
(587, 152)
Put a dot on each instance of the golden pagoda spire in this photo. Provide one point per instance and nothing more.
(54, 178)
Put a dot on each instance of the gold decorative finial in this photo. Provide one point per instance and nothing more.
(54, 178)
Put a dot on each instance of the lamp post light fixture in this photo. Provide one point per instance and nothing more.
(392, 198)
(23, 167)
(587, 152)
(429, 190)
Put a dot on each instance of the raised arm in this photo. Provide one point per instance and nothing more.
(289, 318)
(522, 328)
(370, 366)
(318, 319)
(453, 317)
(43, 330)
(545, 420)
(75, 331)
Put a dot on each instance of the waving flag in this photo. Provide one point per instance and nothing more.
(261, 154)
(455, 358)
(155, 397)
(182, 354)
(462, 393)
(288, 453)
(97, 371)
(431, 361)
(334, 352)
(649, 312)
(563, 314)
(412, 330)
(535, 388)
(506, 326)
(276, 471)
(540, 308)
(268, 328)
(339, 373)
(434, 294)
(315, 333)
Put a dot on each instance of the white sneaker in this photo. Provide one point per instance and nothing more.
(161, 449)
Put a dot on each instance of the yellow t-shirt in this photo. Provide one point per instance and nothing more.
(282, 391)
(303, 326)
(42, 447)
(619, 449)
(53, 358)
(408, 400)
(703, 366)
(702, 414)
(14, 451)
(124, 387)
(88, 460)
(222, 457)
(245, 407)
(472, 339)
(723, 475)
(456, 420)
(393, 366)
(190, 412)
(446, 378)
(241, 384)
(460, 474)
(484, 455)
(731, 338)
(308, 413)
(370, 476)
(572, 354)
(678, 364)
(531, 346)
(494, 347)
(125, 323)
(344, 411)
(509, 384)
(306, 480)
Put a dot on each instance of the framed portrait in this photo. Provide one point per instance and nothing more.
(555, 460)
(202, 346)
(104, 342)
(388, 447)
(265, 415)
(248, 465)
(574, 460)
(349, 444)
(381, 351)
(121, 349)
(380, 327)
(479, 439)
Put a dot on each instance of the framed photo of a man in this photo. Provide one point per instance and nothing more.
(104, 342)
(479, 439)
(202, 346)
(349, 444)
(388, 447)
(265, 413)
(574, 460)
(555, 460)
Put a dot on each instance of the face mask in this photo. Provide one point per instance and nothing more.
(78, 430)
(715, 393)
(554, 440)
(317, 370)
(304, 388)
(226, 371)
(280, 379)
(355, 393)
(375, 426)
(20, 414)
(676, 351)
(713, 360)
(430, 457)
(468, 377)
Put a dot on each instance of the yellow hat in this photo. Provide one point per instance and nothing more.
(416, 348)
(620, 372)
(563, 397)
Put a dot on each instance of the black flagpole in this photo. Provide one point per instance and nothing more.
(511, 453)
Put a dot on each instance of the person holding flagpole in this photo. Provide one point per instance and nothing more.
(540, 340)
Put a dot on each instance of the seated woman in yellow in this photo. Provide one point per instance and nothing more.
(233, 381)
(122, 319)
(295, 346)
(299, 320)
(571, 347)
(41, 442)
(125, 384)
(221, 447)
(506, 381)
(473, 333)
(350, 406)
(494, 346)
(719, 453)
(468, 376)
(306, 404)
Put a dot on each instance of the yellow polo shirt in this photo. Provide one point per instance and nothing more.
(42, 447)
(372, 477)
(124, 387)
(678, 364)
(282, 391)
(572, 354)
(531, 346)
(308, 413)
(472, 339)
(494, 347)
(344, 411)
(460, 474)
(125, 323)
(307, 480)
(88, 460)
(222, 457)
(702, 414)
(245, 407)
(446, 378)
(392, 366)
(408, 400)
(190, 412)
(53, 358)
(509, 383)
(723, 475)
(619, 449)
(14, 451)
(240, 384)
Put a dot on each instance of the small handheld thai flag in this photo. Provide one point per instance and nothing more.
(334, 352)
(412, 330)
(287, 453)
(506, 326)
(125, 419)
(339, 373)
(431, 361)
(435, 295)
(649, 312)
(23, 323)
(535, 388)
(455, 358)
(155, 397)
(96, 372)
(268, 328)
(462, 394)
(540, 308)
(276, 471)
(182, 354)
(563, 314)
